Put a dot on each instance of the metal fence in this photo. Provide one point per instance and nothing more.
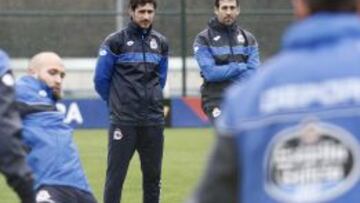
(78, 34)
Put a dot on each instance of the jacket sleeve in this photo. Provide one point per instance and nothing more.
(209, 70)
(253, 61)
(103, 71)
(163, 66)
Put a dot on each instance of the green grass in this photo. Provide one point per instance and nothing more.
(185, 155)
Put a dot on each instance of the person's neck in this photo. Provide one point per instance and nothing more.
(222, 26)
(140, 30)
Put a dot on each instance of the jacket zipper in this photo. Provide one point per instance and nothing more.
(146, 74)
(232, 57)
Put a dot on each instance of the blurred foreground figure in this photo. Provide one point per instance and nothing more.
(12, 155)
(295, 136)
(53, 157)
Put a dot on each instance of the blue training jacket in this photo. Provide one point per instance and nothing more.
(130, 73)
(53, 156)
(225, 54)
(297, 128)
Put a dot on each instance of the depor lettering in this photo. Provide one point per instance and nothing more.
(296, 96)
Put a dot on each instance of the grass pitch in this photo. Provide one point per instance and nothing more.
(185, 156)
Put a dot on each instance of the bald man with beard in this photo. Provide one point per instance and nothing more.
(53, 157)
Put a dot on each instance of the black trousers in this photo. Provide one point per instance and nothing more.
(123, 141)
(62, 194)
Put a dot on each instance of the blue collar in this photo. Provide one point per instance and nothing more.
(320, 29)
(38, 85)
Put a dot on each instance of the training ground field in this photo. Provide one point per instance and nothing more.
(185, 156)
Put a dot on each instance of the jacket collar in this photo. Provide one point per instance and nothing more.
(39, 86)
(215, 24)
(136, 29)
(321, 29)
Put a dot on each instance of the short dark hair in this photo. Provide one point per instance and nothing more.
(217, 3)
(316, 6)
(133, 4)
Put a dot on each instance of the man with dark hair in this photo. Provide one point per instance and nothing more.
(53, 157)
(12, 155)
(133, 4)
(217, 3)
(296, 138)
(226, 53)
(130, 74)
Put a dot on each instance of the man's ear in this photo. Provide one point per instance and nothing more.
(216, 10)
(30, 71)
(238, 10)
(130, 13)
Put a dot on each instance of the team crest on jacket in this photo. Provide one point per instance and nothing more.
(241, 38)
(130, 43)
(312, 162)
(153, 44)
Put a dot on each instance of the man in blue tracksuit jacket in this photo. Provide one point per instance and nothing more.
(296, 136)
(12, 155)
(53, 157)
(130, 74)
(226, 53)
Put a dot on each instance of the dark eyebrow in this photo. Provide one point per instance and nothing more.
(146, 11)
